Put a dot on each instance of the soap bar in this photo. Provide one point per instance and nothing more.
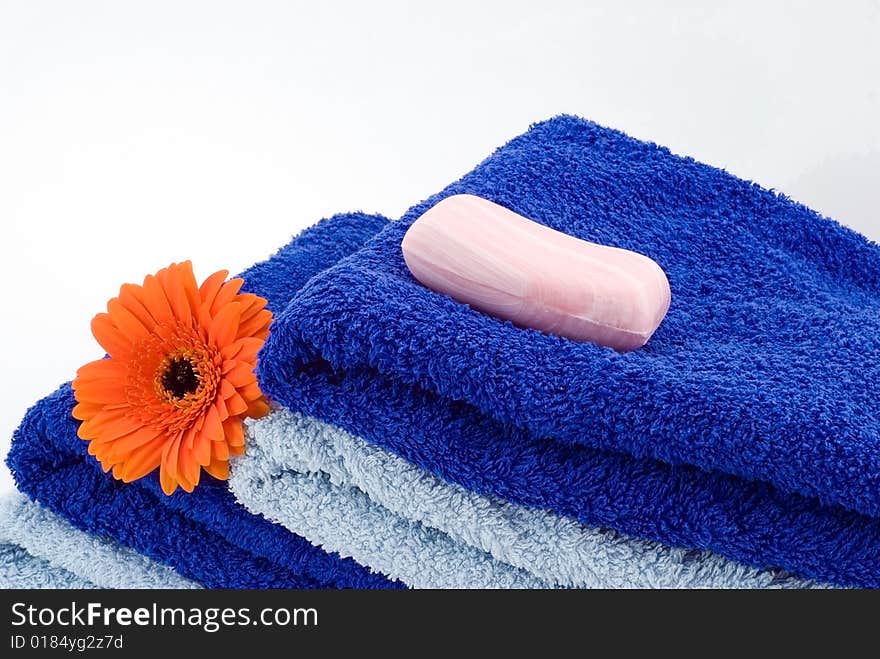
(510, 267)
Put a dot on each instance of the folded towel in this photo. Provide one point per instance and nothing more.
(205, 536)
(749, 425)
(42, 550)
(315, 498)
(19, 569)
(360, 500)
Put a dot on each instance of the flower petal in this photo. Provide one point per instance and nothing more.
(224, 326)
(255, 325)
(188, 484)
(109, 336)
(176, 294)
(220, 404)
(131, 296)
(250, 391)
(236, 404)
(104, 392)
(100, 451)
(226, 389)
(121, 449)
(242, 349)
(234, 432)
(219, 469)
(251, 305)
(189, 437)
(202, 448)
(203, 318)
(169, 458)
(113, 428)
(126, 321)
(190, 287)
(102, 369)
(188, 467)
(219, 451)
(93, 427)
(258, 409)
(226, 294)
(242, 375)
(143, 460)
(211, 286)
(84, 411)
(156, 301)
(213, 426)
(166, 480)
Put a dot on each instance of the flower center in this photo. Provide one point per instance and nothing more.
(180, 378)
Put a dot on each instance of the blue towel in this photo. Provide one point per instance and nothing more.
(749, 425)
(206, 536)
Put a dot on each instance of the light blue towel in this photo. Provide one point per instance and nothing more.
(18, 569)
(354, 498)
(39, 549)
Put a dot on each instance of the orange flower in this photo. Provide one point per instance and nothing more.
(178, 379)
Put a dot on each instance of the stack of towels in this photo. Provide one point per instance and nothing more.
(416, 442)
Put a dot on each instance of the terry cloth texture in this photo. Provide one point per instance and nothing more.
(205, 536)
(749, 425)
(332, 510)
(362, 501)
(18, 569)
(47, 551)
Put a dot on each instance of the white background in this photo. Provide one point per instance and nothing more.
(136, 134)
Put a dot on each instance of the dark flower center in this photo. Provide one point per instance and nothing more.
(180, 378)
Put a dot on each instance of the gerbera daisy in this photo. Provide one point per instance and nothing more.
(178, 379)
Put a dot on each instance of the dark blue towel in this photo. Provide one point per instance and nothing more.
(749, 424)
(206, 535)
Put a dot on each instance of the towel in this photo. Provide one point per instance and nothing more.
(39, 549)
(749, 425)
(360, 500)
(19, 569)
(336, 512)
(423, 538)
(205, 536)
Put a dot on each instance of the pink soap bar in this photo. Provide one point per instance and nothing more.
(510, 267)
